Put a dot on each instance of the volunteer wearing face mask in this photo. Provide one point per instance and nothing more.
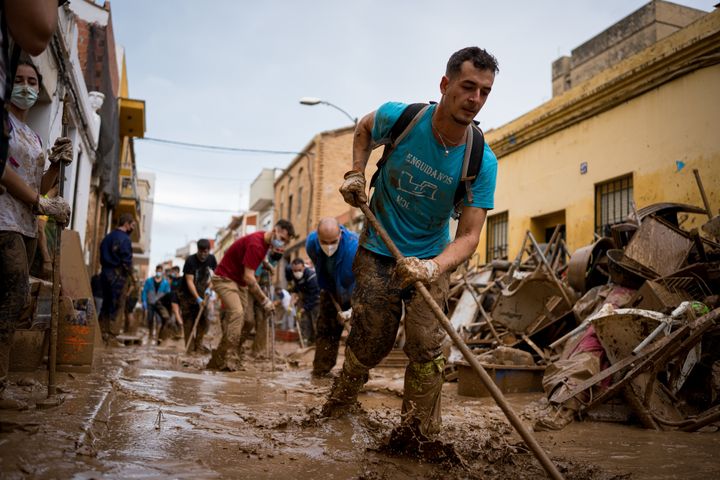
(332, 249)
(255, 318)
(303, 283)
(154, 290)
(116, 259)
(234, 281)
(197, 271)
(18, 225)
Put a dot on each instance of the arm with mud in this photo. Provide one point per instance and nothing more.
(253, 286)
(466, 239)
(362, 142)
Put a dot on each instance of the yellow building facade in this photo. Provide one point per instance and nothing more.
(628, 137)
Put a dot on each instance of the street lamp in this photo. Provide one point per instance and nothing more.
(315, 101)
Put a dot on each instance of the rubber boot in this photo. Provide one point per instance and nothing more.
(344, 392)
(326, 351)
(421, 400)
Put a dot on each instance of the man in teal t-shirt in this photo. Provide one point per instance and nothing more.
(414, 200)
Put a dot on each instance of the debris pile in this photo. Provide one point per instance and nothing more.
(624, 329)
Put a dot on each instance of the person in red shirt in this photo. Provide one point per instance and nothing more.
(234, 280)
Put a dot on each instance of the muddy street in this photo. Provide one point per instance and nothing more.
(156, 413)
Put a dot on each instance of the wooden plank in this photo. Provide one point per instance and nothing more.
(465, 311)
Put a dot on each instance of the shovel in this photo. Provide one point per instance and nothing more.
(193, 332)
(497, 395)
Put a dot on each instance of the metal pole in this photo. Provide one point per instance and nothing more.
(550, 270)
(526, 435)
(353, 119)
(705, 200)
(55, 308)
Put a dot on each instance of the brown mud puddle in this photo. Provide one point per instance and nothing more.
(166, 423)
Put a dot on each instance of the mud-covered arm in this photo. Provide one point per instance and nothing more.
(466, 239)
(253, 286)
(362, 142)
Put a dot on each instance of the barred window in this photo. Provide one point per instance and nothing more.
(612, 203)
(497, 236)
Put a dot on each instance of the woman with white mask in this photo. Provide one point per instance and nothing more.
(18, 225)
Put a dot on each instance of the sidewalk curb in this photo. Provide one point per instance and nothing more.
(95, 425)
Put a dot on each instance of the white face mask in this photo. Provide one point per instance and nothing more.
(330, 248)
(23, 96)
(297, 275)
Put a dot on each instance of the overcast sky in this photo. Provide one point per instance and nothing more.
(231, 73)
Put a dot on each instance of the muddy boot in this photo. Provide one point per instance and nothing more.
(326, 351)
(226, 357)
(558, 416)
(407, 440)
(421, 400)
(344, 392)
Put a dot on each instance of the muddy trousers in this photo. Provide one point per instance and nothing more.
(308, 324)
(228, 354)
(189, 308)
(153, 311)
(327, 337)
(377, 307)
(255, 318)
(113, 284)
(16, 254)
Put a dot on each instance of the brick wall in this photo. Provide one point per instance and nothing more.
(314, 180)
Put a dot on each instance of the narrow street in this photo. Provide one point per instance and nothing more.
(209, 269)
(149, 412)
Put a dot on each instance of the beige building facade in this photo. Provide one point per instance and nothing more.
(629, 136)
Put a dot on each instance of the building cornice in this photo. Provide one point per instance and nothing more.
(694, 47)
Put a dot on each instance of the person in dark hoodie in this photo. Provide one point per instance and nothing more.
(303, 281)
(332, 249)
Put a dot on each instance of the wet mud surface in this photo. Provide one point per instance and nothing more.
(155, 413)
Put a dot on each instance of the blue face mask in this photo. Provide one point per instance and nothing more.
(158, 274)
(277, 243)
(23, 96)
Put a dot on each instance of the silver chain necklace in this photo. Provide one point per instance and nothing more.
(447, 152)
(442, 139)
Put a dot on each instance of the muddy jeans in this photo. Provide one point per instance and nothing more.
(159, 310)
(377, 307)
(189, 308)
(228, 354)
(327, 337)
(113, 285)
(16, 255)
(308, 324)
(256, 318)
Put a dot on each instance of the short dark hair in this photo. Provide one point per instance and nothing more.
(298, 261)
(203, 244)
(125, 218)
(481, 59)
(159, 266)
(175, 267)
(287, 226)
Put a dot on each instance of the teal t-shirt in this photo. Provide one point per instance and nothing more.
(414, 191)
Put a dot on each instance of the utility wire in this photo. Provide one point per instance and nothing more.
(186, 207)
(193, 176)
(216, 148)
